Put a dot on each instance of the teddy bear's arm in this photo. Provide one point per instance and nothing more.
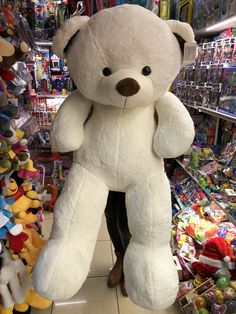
(175, 130)
(67, 128)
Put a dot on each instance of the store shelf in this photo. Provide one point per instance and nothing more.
(48, 96)
(230, 218)
(213, 112)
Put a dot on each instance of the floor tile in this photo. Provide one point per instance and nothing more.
(126, 306)
(93, 298)
(47, 214)
(102, 259)
(47, 311)
(46, 228)
(103, 233)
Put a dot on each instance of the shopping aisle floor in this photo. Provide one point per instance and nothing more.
(95, 297)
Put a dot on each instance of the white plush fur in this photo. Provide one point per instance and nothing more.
(119, 148)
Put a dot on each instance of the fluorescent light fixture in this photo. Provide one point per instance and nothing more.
(223, 24)
(44, 43)
(70, 303)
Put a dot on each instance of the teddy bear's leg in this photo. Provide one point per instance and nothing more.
(64, 262)
(150, 273)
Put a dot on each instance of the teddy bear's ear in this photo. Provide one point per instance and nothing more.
(185, 36)
(66, 33)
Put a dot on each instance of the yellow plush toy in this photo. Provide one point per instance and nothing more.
(32, 246)
(24, 197)
(34, 300)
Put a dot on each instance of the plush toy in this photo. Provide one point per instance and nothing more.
(8, 61)
(24, 198)
(123, 61)
(34, 300)
(216, 259)
(7, 31)
(6, 220)
(8, 160)
(6, 49)
(16, 243)
(14, 281)
(7, 112)
(27, 170)
(7, 75)
(32, 246)
(17, 141)
(3, 95)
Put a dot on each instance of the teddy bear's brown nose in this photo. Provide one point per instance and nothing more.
(128, 87)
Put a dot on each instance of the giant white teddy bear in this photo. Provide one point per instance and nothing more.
(122, 60)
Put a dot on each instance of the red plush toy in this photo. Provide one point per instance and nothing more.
(16, 243)
(217, 258)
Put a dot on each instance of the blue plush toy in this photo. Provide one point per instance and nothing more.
(6, 219)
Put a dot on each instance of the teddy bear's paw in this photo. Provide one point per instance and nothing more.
(153, 281)
(60, 270)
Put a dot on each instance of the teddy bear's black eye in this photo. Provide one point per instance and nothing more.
(106, 71)
(146, 70)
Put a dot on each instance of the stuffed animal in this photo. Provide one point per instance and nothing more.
(6, 49)
(6, 219)
(8, 61)
(32, 246)
(7, 31)
(24, 197)
(34, 300)
(14, 281)
(26, 169)
(217, 258)
(17, 141)
(8, 160)
(7, 113)
(123, 61)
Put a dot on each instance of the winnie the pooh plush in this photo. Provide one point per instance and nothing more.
(24, 198)
(123, 61)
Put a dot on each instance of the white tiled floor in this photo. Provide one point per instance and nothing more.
(95, 297)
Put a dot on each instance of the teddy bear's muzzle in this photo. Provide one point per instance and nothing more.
(128, 87)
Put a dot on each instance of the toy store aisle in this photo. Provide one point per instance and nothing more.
(95, 296)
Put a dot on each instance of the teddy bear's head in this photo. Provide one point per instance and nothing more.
(124, 56)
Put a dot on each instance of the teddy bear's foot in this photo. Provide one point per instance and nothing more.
(63, 264)
(150, 275)
(60, 271)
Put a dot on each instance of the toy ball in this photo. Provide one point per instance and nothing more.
(218, 309)
(210, 297)
(231, 306)
(219, 296)
(203, 311)
(223, 282)
(233, 284)
(229, 293)
(200, 236)
(200, 302)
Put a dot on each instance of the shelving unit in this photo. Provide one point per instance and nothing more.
(225, 209)
(213, 112)
(49, 96)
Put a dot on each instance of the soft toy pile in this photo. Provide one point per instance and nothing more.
(20, 204)
(123, 68)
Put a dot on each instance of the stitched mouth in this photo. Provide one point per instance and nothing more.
(125, 102)
(13, 190)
